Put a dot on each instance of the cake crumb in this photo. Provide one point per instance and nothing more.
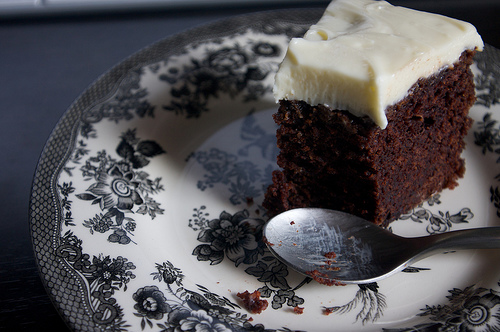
(253, 302)
(330, 256)
(264, 239)
(330, 268)
(328, 311)
(292, 222)
(323, 278)
(298, 310)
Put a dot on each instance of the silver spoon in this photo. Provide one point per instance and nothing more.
(336, 247)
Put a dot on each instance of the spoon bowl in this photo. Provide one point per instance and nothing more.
(336, 247)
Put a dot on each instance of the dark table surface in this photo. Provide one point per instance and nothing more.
(45, 63)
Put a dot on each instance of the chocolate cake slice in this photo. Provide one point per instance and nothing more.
(372, 153)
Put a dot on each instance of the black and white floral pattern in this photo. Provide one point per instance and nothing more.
(146, 207)
(439, 222)
(119, 188)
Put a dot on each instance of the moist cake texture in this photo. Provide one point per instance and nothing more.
(358, 159)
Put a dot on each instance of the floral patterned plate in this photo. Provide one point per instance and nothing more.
(146, 204)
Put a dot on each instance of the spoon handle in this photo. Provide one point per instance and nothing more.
(478, 238)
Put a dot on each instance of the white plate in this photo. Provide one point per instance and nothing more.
(146, 204)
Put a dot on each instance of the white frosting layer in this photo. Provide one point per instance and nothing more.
(364, 55)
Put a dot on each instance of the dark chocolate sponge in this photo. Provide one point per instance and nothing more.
(333, 159)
